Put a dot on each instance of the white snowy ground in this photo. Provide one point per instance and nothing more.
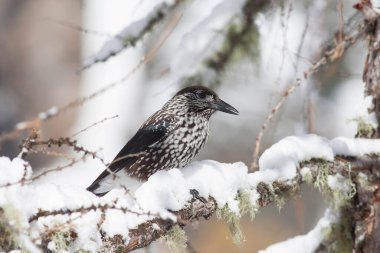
(165, 190)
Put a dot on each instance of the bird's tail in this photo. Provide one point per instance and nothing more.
(95, 188)
(106, 182)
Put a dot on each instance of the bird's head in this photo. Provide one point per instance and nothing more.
(203, 100)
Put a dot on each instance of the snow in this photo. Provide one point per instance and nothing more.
(307, 243)
(51, 246)
(376, 5)
(305, 172)
(338, 182)
(116, 217)
(224, 185)
(124, 38)
(166, 190)
(11, 171)
(280, 161)
(355, 146)
(163, 193)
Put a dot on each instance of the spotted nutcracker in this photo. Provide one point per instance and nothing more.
(170, 138)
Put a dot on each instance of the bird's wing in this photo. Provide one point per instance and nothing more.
(146, 136)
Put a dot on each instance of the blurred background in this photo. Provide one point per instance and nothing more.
(44, 44)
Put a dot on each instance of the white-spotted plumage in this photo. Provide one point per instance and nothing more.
(170, 138)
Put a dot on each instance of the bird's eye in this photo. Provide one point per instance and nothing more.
(202, 95)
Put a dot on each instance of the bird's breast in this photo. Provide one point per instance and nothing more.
(188, 139)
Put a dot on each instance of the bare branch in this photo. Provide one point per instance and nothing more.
(64, 141)
(100, 207)
(366, 213)
(79, 28)
(94, 124)
(55, 111)
(331, 53)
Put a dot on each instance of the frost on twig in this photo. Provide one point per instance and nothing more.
(72, 219)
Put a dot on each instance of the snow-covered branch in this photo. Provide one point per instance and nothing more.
(332, 50)
(131, 34)
(333, 177)
(70, 218)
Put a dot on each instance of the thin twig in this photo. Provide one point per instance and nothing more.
(94, 124)
(55, 112)
(76, 27)
(285, 17)
(67, 142)
(268, 119)
(58, 168)
(329, 55)
(46, 151)
(300, 45)
(101, 207)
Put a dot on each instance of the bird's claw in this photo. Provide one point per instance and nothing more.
(196, 195)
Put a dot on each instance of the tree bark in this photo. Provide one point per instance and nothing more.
(199, 208)
(366, 204)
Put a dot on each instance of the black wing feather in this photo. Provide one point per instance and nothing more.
(145, 136)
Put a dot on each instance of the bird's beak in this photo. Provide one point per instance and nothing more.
(222, 106)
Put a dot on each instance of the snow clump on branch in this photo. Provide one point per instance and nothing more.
(34, 211)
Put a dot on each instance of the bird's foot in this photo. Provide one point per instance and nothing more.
(196, 195)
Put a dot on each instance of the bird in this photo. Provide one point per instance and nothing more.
(170, 138)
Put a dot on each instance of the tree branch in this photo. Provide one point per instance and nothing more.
(150, 231)
(238, 35)
(132, 34)
(332, 50)
(366, 205)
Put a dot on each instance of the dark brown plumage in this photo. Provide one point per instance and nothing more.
(170, 138)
